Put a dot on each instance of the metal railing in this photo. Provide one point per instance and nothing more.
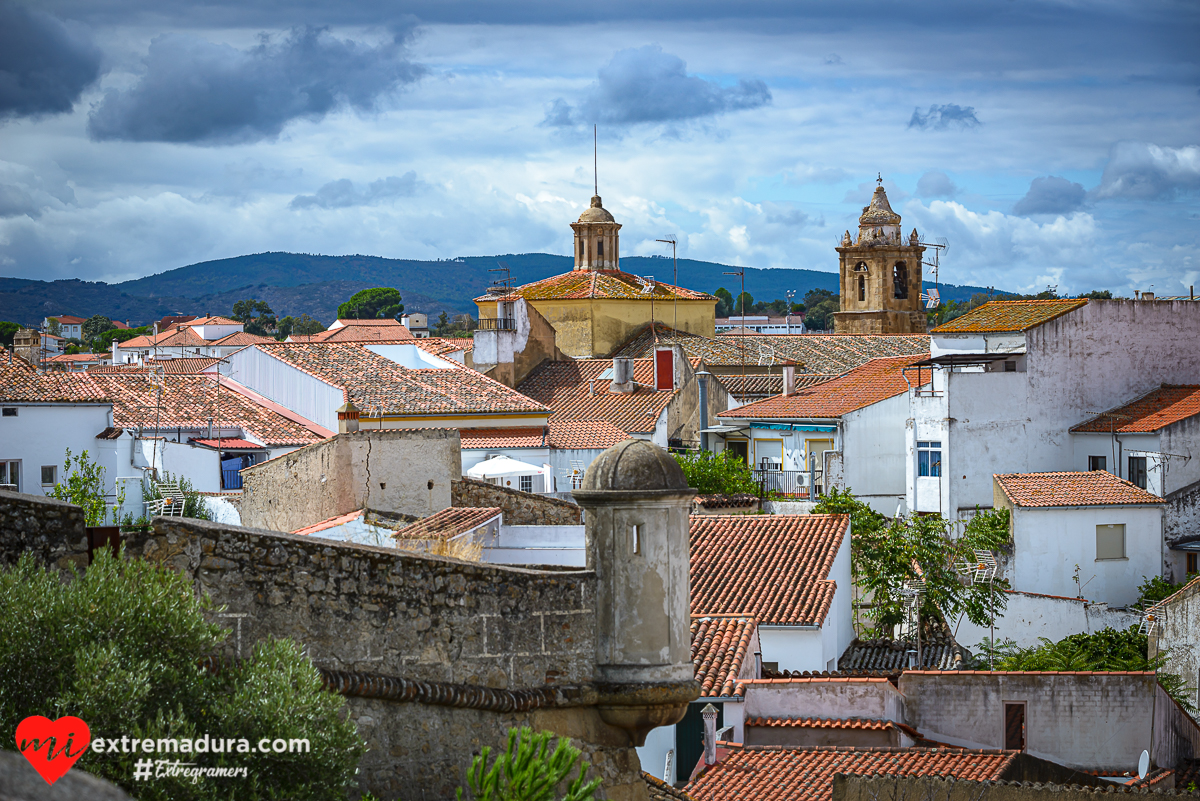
(791, 483)
(497, 324)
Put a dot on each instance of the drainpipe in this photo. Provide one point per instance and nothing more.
(702, 378)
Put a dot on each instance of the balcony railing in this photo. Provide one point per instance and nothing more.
(790, 483)
(497, 324)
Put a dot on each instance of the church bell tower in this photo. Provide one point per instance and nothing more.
(880, 275)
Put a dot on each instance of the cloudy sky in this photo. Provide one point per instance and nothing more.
(1051, 143)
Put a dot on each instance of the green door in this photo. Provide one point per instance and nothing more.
(689, 738)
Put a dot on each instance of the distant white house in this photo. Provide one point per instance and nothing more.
(1087, 534)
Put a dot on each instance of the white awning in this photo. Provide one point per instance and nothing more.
(500, 466)
(722, 429)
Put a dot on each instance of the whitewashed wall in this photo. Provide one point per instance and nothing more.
(40, 435)
(291, 388)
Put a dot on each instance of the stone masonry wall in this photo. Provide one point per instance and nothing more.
(898, 788)
(520, 508)
(53, 531)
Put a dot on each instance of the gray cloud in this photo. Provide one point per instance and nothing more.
(15, 201)
(342, 194)
(646, 85)
(1144, 171)
(44, 66)
(199, 92)
(939, 118)
(936, 183)
(1051, 195)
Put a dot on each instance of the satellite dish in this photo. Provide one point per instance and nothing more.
(1143, 764)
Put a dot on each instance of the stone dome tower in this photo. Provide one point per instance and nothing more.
(597, 243)
(880, 274)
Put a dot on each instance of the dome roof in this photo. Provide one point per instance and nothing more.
(595, 213)
(636, 465)
(880, 211)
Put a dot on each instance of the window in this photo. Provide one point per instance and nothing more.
(637, 539)
(49, 475)
(900, 280)
(582, 249)
(1191, 563)
(599, 248)
(10, 473)
(10, 411)
(1097, 463)
(929, 459)
(1010, 367)
(862, 288)
(1110, 541)
(1137, 470)
(526, 483)
(1014, 726)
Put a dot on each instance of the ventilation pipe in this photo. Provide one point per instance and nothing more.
(622, 381)
(789, 379)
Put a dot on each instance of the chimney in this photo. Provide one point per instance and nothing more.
(789, 379)
(622, 381)
(347, 418)
(702, 382)
(709, 713)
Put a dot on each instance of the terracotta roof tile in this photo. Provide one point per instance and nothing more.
(584, 434)
(333, 522)
(503, 438)
(661, 791)
(878, 379)
(231, 443)
(21, 382)
(1155, 410)
(774, 773)
(582, 284)
(69, 319)
(719, 648)
(448, 523)
(822, 354)
(1091, 488)
(240, 339)
(440, 346)
(774, 567)
(375, 383)
(64, 358)
(1009, 315)
(566, 388)
(191, 401)
(364, 331)
(864, 724)
(213, 320)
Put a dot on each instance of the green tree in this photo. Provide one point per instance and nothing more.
(54, 327)
(1154, 589)
(121, 647)
(94, 326)
(717, 473)
(743, 304)
(724, 302)
(886, 553)
(255, 315)
(103, 342)
(529, 771)
(194, 504)
(7, 332)
(379, 303)
(83, 485)
(300, 326)
(1098, 294)
(819, 306)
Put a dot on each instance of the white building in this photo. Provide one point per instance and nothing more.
(417, 324)
(1011, 378)
(567, 446)
(761, 324)
(214, 337)
(70, 327)
(1080, 534)
(848, 432)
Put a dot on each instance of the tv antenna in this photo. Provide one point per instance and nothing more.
(741, 273)
(504, 281)
(911, 591)
(933, 297)
(596, 157)
(671, 240)
(1152, 618)
(983, 570)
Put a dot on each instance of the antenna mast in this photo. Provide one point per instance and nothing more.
(596, 157)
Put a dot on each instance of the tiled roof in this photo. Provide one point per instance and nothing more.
(65, 358)
(213, 320)
(1091, 488)
(375, 383)
(503, 437)
(333, 522)
(365, 331)
(566, 387)
(370, 322)
(21, 382)
(774, 567)
(189, 365)
(823, 354)
(69, 319)
(661, 791)
(440, 346)
(774, 773)
(584, 434)
(892, 655)
(1187, 772)
(240, 339)
(1009, 315)
(607, 284)
(192, 401)
(230, 443)
(719, 648)
(1155, 410)
(758, 386)
(448, 523)
(827, 678)
(863, 724)
(878, 379)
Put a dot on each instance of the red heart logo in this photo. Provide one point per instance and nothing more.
(52, 746)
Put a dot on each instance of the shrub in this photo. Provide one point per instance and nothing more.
(121, 646)
(717, 473)
(529, 771)
(84, 487)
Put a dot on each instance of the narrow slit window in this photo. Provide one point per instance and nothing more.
(862, 288)
(599, 248)
(900, 280)
(637, 539)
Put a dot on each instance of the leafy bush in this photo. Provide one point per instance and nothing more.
(120, 647)
(529, 771)
(717, 473)
(194, 504)
(84, 487)
(376, 303)
(1154, 589)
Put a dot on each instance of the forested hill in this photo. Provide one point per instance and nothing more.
(298, 283)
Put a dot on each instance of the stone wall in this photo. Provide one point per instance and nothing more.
(1181, 522)
(402, 471)
(53, 531)
(1178, 633)
(520, 508)
(898, 788)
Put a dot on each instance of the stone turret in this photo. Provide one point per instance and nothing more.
(637, 503)
(597, 241)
